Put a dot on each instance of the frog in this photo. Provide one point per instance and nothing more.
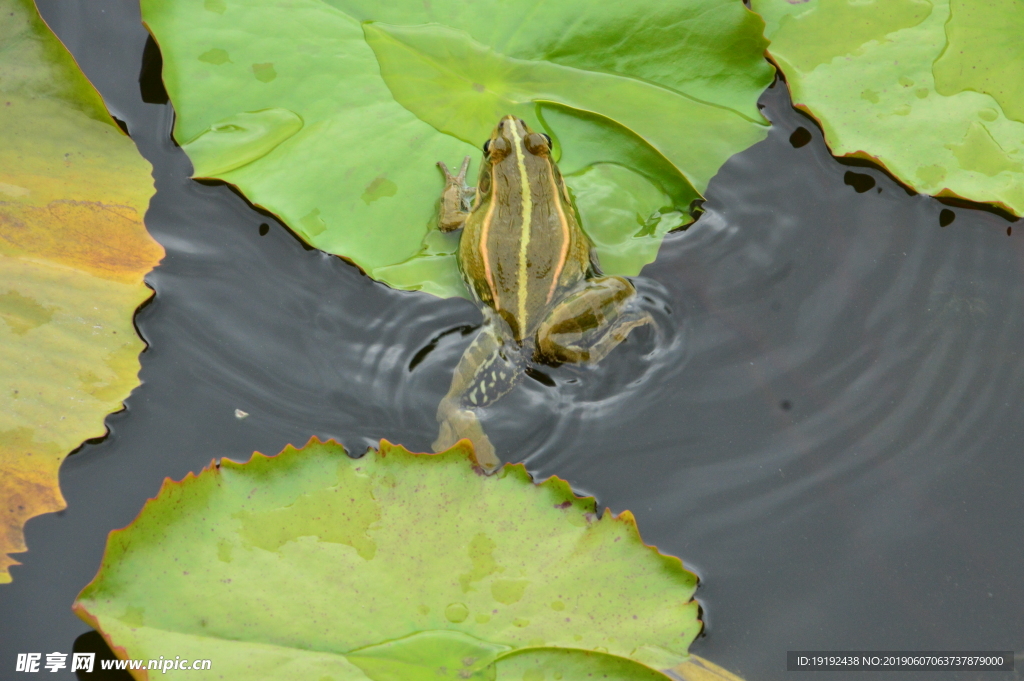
(533, 273)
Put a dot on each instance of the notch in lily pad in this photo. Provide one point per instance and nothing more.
(393, 566)
(386, 90)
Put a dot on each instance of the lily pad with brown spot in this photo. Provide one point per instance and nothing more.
(73, 251)
(393, 566)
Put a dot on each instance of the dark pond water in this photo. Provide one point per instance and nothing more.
(827, 426)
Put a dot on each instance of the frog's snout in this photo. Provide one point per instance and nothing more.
(511, 123)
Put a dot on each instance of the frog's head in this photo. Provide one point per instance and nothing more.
(512, 132)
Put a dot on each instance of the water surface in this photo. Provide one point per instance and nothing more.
(825, 425)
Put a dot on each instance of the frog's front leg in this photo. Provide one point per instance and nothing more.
(456, 198)
(490, 367)
(589, 322)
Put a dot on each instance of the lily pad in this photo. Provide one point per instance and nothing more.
(332, 114)
(610, 197)
(391, 566)
(73, 251)
(930, 90)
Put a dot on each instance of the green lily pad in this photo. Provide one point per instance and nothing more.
(603, 203)
(73, 252)
(984, 53)
(931, 90)
(311, 564)
(333, 114)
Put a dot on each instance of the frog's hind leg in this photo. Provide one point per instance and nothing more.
(591, 321)
(490, 367)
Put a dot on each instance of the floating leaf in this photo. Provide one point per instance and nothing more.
(73, 251)
(931, 90)
(606, 207)
(392, 566)
(984, 53)
(385, 90)
(463, 88)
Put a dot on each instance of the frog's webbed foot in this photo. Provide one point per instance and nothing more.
(591, 321)
(490, 367)
(463, 423)
(456, 198)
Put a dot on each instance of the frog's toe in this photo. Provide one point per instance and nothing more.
(625, 324)
(445, 438)
(486, 457)
(464, 424)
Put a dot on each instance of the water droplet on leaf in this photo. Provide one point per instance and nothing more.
(456, 612)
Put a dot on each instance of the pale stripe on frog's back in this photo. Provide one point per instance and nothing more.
(499, 234)
(488, 273)
(566, 235)
(527, 240)
(526, 192)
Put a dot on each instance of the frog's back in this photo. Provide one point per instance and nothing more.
(522, 245)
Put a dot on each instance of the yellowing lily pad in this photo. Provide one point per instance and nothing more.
(333, 114)
(392, 566)
(73, 251)
(929, 89)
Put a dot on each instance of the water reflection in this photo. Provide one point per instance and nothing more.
(826, 420)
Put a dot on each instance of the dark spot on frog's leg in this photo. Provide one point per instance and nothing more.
(785, 405)
(493, 380)
(946, 217)
(264, 229)
(587, 320)
(1009, 231)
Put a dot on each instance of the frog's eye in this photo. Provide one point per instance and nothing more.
(496, 149)
(538, 144)
(548, 138)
